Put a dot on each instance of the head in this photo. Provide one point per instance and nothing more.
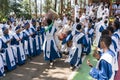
(105, 42)
(116, 25)
(89, 25)
(111, 30)
(27, 25)
(33, 22)
(77, 20)
(69, 20)
(8, 22)
(18, 29)
(79, 27)
(5, 30)
(105, 22)
(49, 21)
(105, 32)
(14, 23)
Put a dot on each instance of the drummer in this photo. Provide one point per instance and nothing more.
(66, 29)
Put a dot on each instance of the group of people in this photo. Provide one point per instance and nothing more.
(24, 39)
(116, 9)
(19, 41)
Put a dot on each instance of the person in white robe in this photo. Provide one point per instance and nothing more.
(105, 67)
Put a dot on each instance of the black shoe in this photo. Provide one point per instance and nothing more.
(73, 68)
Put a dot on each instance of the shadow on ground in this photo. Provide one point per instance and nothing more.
(38, 69)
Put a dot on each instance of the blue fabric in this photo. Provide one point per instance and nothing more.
(83, 41)
(26, 38)
(41, 32)
(116, 35)
(20, 61)
(101, 29)
(39, 50)
(75, 58)
(53, 52)
(104, 72)
(68, 38)
(34, 40)
(1, 72)
(26, 24)
(9, 67)
(92, 34)
(4, 28)
(18, 27)
(75, 55)
(4, 45)
(115, 45)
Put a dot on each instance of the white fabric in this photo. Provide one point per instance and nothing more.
(107, 57)
(10, 53)
(30, 39)
(76, 11)
(49, 36)
(1, 64)
(98, 34)
(74, 47)
(20, 46)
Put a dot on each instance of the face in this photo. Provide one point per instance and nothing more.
(89, 25)
(110, 33)
(27, 26)
(102, 44)
(15, 24)
(6, 31)
(34, 23)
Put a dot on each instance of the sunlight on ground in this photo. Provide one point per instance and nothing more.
(20, 75)
(38, 63)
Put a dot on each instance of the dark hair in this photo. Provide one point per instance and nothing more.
(105, 32)
(49, 21)
(77, 20)
(106, 39)
(117, 24)
(78, 27)
(105, 21)
(110, 29)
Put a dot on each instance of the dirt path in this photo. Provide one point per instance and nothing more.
(38, 69)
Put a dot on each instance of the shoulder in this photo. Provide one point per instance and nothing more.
(107, 57)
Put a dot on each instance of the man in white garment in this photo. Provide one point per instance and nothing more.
(77, 8)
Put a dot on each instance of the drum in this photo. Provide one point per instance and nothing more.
(50, 15)
(61, 36)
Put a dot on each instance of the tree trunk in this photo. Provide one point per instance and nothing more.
(36, 8)
(76, 2)
(111, 8)
(61, 6)
(55, 5)
(30, 7)
(41, 8)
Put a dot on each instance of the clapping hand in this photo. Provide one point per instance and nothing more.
(89, 63)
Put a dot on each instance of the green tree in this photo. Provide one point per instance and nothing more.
(47, 5)
(16, 8)
(4, 9)
(26, 9)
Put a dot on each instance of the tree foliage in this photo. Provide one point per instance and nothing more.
(4, 9)
(47, 5)
(16, 8)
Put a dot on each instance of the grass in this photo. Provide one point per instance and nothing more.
(83, 72)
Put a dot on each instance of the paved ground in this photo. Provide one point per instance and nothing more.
(38, 69)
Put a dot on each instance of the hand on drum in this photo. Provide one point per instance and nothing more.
(61, 36)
